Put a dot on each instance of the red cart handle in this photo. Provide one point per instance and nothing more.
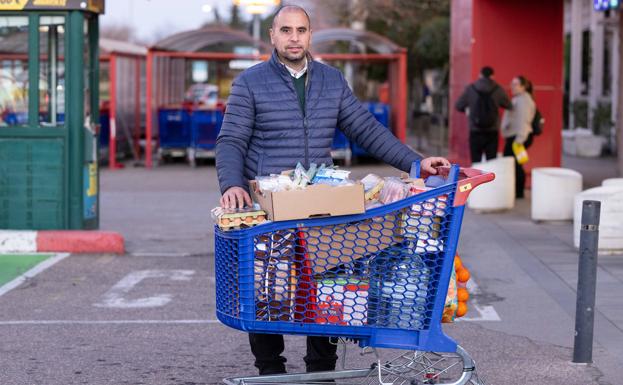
(466, 180)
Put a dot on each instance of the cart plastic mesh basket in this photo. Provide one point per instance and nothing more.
(379, 277)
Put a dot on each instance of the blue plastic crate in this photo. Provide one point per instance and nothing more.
(340, 141)
(381, 113)
(104, 129)
(380, 277)
(174, 128)
(205, 127)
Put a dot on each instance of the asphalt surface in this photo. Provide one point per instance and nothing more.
(148, 317)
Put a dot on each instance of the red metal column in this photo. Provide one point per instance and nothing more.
(460, 76)
(401, 123)
(495, 33)
(137, 107)
(112, 143)
(148, 110)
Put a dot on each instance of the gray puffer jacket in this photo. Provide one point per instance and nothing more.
(265, 130)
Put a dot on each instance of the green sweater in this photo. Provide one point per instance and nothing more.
(299, 86)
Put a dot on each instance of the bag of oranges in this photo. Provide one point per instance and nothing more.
(457, 297)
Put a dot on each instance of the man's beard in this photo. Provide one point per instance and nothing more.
(294, 58)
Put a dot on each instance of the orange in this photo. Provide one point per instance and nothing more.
(457, 262)
(462, 275)
(462, 294)
(462, 309)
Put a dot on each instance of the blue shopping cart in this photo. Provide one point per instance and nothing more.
(173, 132)
(379, 278)
(205, 125)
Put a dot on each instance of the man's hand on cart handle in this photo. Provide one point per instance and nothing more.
(235, 197)
(429, 165)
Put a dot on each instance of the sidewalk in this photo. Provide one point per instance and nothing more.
(545, 254)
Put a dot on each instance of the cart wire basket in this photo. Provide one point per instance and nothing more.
(379, 278)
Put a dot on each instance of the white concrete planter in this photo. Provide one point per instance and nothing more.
(498, 194)
(589, 146)
(553, 193)
(568, 143)
(612, 182)
(611, 218)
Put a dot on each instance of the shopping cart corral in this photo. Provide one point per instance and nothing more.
(378, 278)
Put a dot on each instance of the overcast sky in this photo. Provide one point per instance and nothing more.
(151, 17)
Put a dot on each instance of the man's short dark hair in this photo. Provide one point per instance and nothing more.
(486, 71)
(291, 7)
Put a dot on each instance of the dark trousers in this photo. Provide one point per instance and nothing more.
(267, 349)
(520, 173)
(480, 142)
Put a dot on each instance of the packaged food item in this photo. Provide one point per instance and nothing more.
(393, 190)
(335, 182)
(330, 176)
(342, 301)
(275, 276)
(228, 219)
(372, 186)
(274, 183)
(416, 186)
(372, 204)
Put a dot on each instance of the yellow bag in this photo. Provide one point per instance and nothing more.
(520, 153)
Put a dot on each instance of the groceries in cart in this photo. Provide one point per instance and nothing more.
(237, 218)
(458, 295)
(342, 301)
(300, 178)
(275, 276)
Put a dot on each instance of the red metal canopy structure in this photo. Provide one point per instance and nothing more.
(384, 51)
(122, 93)
(493, 33)
(168, 70)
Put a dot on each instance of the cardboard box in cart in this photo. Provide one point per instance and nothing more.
(314, 201)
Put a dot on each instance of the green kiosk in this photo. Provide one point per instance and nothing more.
(48, 105)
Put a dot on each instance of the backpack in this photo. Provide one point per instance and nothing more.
(485, 115)
(537, 123)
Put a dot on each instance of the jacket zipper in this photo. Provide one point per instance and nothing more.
(302, 108)
(305, 121)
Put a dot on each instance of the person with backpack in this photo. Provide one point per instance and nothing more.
(517, 126)
(481, 101)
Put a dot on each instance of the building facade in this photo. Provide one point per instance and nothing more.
(591, 67)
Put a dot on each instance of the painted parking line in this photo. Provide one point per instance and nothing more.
(484, 312)
(26, 267)
(115, 297)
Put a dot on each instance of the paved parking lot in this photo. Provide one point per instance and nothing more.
(148, 317)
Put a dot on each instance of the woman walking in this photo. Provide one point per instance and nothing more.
(517, 126)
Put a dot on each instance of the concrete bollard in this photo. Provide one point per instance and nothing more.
(553, 193)
(499, 194)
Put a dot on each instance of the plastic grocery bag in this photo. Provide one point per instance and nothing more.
(452, 302)
(520, 153)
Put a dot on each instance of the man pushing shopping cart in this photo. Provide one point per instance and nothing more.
(377, 277)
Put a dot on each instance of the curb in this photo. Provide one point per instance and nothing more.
(68, 241)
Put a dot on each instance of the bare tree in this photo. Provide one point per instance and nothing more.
(122, 32)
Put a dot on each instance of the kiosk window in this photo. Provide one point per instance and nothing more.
(52, 70)
(13, 70)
